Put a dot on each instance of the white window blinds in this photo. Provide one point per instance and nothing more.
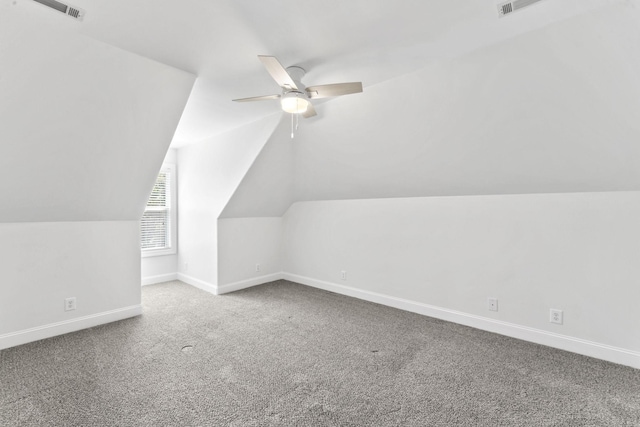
(155, 226)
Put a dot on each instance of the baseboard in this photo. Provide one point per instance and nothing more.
(200, 284)
(160, 278)
(53, 329)
(575, 345)
(255, 281)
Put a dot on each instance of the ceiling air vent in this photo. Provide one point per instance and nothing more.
(72, 11)
(512, 6)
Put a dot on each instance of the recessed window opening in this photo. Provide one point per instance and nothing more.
(158, 223)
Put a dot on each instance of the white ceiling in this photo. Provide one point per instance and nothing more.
(334, 40)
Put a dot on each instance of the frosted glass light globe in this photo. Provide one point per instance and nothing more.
(294, 104)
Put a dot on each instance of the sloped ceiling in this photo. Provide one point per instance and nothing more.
(335, 40)
(555, 110)
(551, 110)
(84, 125)
(457, 100)
(267, 186)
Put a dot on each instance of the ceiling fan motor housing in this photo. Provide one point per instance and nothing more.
(296, 73)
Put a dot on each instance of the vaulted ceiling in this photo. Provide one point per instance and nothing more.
(335, 41)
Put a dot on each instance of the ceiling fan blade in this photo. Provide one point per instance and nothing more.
(257, 98)
(310, 112)
(278, 72)
(337, 89)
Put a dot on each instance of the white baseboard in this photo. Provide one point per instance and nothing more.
(152, 280)
(576, 345)
(200, 284)
(230, 287)
(53, 329)
(255, 281)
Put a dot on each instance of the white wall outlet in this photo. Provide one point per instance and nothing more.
(257, 267)
(185, 266)
(555, 316)
(70, 304)
(492, 304)
(343, 275)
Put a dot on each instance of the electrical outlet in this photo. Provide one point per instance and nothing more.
(70, 304)
(257, 267)
(343, 275)
(185, 266)
(492, 304)
(555, 316)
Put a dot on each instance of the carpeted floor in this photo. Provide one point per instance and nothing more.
(283, 354)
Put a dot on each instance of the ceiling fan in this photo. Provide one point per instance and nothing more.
(295, 97)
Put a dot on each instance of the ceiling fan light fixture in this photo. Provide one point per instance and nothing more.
(296, 98)
(294, 103)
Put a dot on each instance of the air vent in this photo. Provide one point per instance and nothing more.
(512, 6)
(72, 11)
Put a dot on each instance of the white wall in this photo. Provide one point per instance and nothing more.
(250, 226)
(158, 269)
(242, 244)
(208, 174)
(43, 263)
(85, 127)
(574, 252)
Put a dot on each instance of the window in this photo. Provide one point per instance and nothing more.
(158, 223)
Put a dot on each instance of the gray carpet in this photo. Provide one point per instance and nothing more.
(283, 354)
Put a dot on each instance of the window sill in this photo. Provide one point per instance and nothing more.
(146, 253)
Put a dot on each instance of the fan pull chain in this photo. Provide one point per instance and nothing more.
(292, 126)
